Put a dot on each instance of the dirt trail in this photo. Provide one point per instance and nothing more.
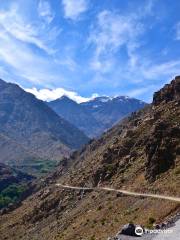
(126, 192)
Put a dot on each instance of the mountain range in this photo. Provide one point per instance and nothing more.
(139, 154)
(33, 133)
(97, 115)
(30, 130)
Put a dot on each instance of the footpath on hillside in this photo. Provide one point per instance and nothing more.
(126, 192)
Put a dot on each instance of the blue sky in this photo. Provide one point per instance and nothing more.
(84, 48)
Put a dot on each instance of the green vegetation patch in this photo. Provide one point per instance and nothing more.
(11, 194)
(38, 167)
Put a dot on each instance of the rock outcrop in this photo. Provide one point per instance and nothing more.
(161, 148)
(168, 93)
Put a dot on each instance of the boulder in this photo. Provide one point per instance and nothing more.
(129, 229)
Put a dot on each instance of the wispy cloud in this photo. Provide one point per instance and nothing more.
(112, 32)
(118, 48)
(73, 9)
(24, 62)
(26, 47)
(45, 11)
(19, 28)
(169, 69)
(53, 94)
(141, 90)
(117, 38)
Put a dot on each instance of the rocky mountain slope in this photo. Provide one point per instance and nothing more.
(30, 129)
(96, 116)
(140, 154)
(109, 110)
(76, 114)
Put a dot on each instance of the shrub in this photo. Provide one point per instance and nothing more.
(103, 221)
(92, 238)
(11, 194)
(99, 208)
(151, 220)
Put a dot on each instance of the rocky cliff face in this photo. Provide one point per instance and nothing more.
(170, 92)
(162, 148)
(140, 154)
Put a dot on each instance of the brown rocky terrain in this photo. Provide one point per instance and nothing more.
(141, 153)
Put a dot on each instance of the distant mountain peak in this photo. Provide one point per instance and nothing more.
(102, 99)
(65, 97)
(121, 97)
(96, 115)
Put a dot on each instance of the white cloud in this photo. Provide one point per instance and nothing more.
(170, 69)
(18, 27)
(102, 65)
(17, 36)
(111, 32)
(25, 63)
(53, 94)
(45, 11)
(142, 90)
(74, 8)
(68, 62)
